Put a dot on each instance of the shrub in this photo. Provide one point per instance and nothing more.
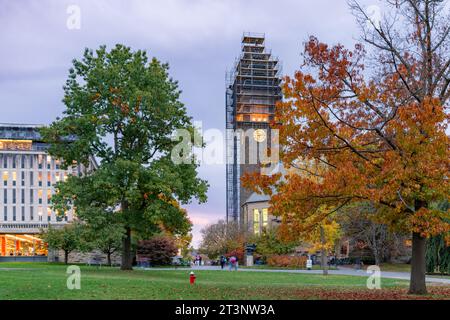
(159, 250)
(287, 261)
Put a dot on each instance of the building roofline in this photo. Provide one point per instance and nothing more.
(22, 125)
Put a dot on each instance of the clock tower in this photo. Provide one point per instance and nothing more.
(253, 88)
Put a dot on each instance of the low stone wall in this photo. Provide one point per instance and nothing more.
(92, 257)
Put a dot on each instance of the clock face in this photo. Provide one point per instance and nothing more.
(259, 135)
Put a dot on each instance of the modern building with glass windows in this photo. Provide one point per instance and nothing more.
(28, 175)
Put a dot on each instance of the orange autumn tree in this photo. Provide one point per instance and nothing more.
(321, 237)
(377, 121)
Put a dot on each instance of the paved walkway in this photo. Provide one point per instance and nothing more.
(341, 271)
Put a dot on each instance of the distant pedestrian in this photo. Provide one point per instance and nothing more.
(233, 263)
(223, 261)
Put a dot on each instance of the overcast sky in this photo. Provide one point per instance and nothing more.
(200, 39)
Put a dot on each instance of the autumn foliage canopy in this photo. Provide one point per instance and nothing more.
(352, 136)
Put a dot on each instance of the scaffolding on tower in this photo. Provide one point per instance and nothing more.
(252, 90)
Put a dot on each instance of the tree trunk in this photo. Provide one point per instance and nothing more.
(417, 282)
(323, 254)
(377, 259)
(127, 261)
(66, 257)
(108, 258)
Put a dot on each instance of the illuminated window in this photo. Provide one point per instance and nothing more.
(40, 161)
(65, 176)
(40, 179)
(40, 196)
(57, 177)
(49, 196)
(5, 178)
(14, 178)
(49, 161)
(40, 213)
(265, 217)
(57, 164)
(256, 220)
(49, 179)
(49, 214)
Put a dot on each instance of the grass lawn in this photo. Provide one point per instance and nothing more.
(395, 267)
(403, 267)
(48, 281)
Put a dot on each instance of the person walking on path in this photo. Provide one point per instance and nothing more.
(223, 261)
(233, 263)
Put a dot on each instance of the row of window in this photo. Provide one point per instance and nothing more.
(10, 178)
(28, 161)
(14, 217)
(13, 198)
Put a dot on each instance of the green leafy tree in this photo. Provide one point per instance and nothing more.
(183, 243)
(123, 110)
(108, 239)
(269, 243)
(438, 248)
(69, 238)
(438, 255)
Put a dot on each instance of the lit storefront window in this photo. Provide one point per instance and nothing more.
(22, 245)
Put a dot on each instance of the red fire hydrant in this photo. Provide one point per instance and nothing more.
(192, 278)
